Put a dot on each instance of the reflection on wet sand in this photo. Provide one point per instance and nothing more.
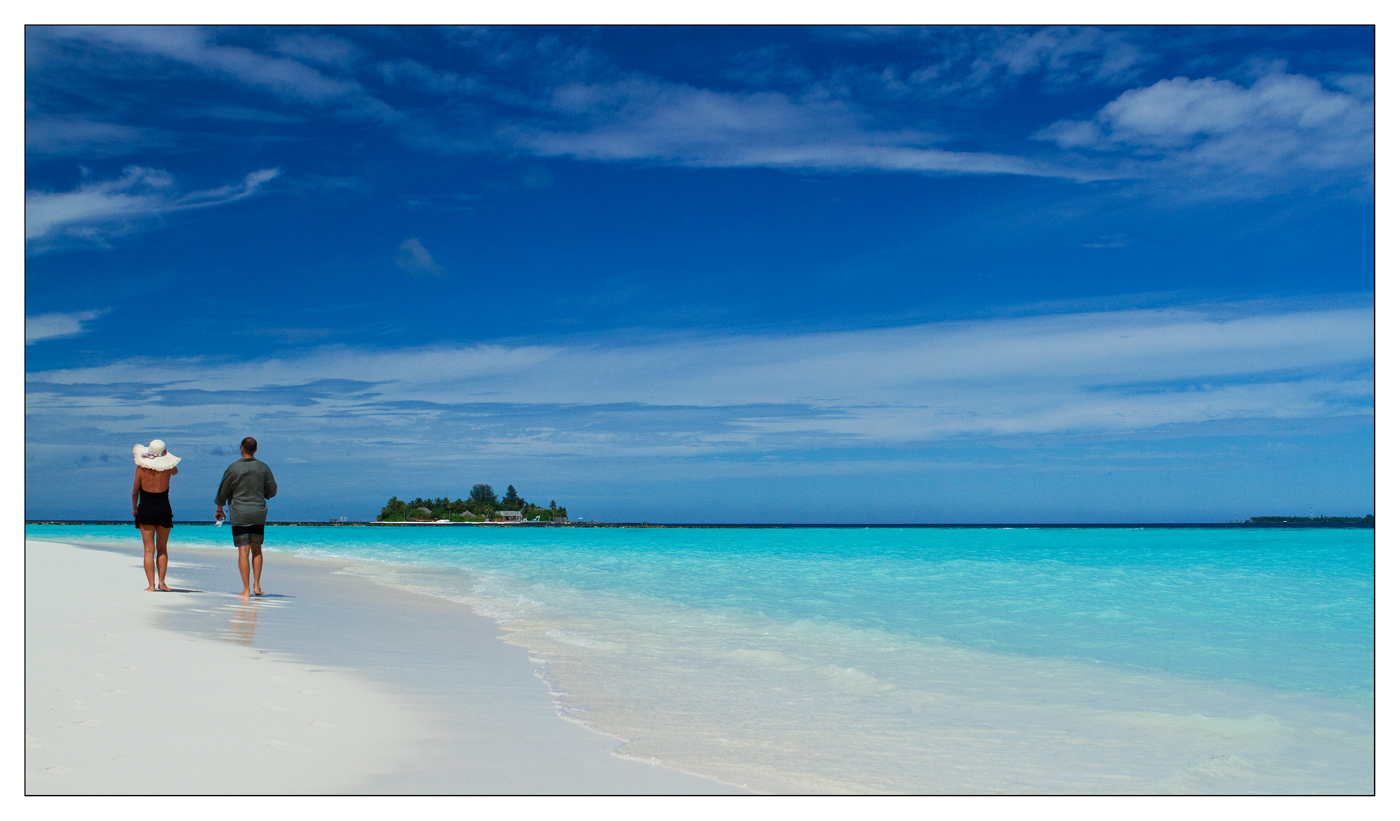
(244, 622)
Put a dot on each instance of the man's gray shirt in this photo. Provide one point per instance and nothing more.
(247, 485)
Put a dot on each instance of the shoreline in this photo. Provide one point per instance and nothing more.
(331, 684)
(783, 526)
(778, 705)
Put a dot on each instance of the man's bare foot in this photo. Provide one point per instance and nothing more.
(243, 595)
(164, 588)
(257, 591)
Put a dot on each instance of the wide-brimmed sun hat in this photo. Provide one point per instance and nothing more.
(154, 456)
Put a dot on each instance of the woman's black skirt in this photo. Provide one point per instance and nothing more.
(154, 509)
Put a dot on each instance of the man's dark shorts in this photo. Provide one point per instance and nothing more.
(247, 534)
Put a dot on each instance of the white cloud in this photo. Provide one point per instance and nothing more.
(537, 96)
(406, 71)
(1066, 55)
(979, 63)
(415, 259)
(286, 78)
(641, 119)
(1103, 373)
(57, 325)
(97, 210)
(1286, 128)
(65, 136)
(632, 117)
(325, 49)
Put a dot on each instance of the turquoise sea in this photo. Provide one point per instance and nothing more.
(921, 660)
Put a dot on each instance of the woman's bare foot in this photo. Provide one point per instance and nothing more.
(151, 589)
(243, 595)
(163, 588)
(257, 591)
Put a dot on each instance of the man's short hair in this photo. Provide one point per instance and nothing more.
(250, 445)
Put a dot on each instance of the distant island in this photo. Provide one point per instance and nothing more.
(481, 505)
(1369, 520)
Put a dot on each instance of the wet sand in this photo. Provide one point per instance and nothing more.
(329, 684)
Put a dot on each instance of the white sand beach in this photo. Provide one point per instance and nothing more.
(330, 684)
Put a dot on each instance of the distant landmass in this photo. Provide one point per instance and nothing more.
(481, 505)
(1368, 520)
(428, 511)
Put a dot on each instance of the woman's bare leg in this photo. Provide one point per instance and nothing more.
(162, 538)
(148, 541)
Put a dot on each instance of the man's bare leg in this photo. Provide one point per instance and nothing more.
(148, 542)
(162, 558)
(243, 567)
(256, 549)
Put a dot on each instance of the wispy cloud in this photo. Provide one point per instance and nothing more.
(77, 136)
(412, 73)
(57, 325)
(851, 118)
(639, 119)
(98, 210)
(289, 79)
(1066, 56)
(619, 117)
(634, 118)
(323, 49)
(415, 259)
(516, 92)
(1105, 373)
(980, 63)
(1114, 241)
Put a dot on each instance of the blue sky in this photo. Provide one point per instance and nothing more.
(707, 274)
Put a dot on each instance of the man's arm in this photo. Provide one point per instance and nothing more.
(270, 485)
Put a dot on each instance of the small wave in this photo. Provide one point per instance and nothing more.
(498, 614)
(852, 678)
(761, 658)
(581, 641)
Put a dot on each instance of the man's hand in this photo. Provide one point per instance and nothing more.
(219, 512)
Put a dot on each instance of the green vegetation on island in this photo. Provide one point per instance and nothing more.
(481, 505)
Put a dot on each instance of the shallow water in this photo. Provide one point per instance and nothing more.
(923, 660)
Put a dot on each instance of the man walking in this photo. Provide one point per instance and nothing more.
(246, 486)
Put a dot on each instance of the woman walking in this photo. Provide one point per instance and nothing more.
(150, 505)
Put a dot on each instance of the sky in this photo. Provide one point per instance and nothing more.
(707, 274)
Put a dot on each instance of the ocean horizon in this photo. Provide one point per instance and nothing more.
(916, 659)
(1300, 522)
